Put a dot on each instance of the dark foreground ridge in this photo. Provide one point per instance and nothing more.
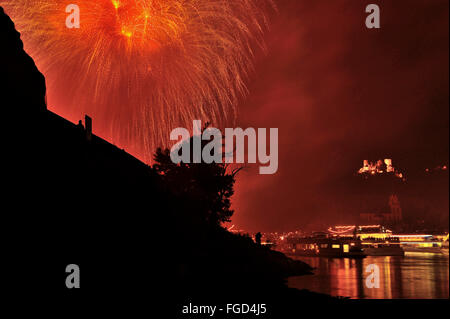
(71, 197)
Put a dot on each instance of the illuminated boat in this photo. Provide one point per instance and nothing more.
(376, 240)
(327, 247)
(422, 243)
(383, 249)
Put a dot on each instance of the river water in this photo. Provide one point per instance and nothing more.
(416, 275)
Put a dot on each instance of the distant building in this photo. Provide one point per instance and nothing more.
(394, 216)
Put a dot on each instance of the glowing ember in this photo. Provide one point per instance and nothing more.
(436, 169)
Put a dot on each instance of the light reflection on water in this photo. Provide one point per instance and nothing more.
(416, 275)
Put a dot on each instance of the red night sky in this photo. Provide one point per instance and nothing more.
(340, 93)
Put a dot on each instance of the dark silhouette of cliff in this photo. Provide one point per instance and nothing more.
(20, 81)
(72, 197)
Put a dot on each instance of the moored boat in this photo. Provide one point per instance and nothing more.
(327, 247)
(386, 249)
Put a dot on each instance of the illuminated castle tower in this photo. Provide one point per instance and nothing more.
(396, 210)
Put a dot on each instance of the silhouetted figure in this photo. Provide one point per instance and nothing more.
(80, 126)
(258, 238)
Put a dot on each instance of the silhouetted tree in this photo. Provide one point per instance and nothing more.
(204, 190)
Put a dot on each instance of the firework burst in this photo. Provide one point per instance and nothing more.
(143, 67)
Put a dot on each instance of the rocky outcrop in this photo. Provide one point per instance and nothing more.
(21, 83)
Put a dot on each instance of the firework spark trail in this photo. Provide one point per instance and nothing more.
(144, 67)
